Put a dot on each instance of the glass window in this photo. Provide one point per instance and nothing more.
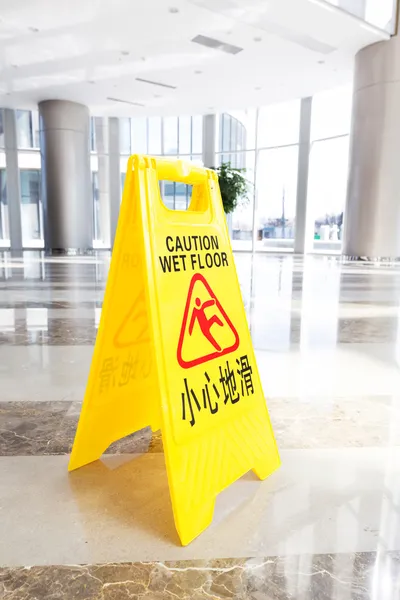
(331, 113)
(327, 188)
(124, 135)
(185, 133)
(279, 124)
(139, 135)
(225, 158)
(381, 13)
(181, 196)
(276, 186)
(240, 222)
(167, 191)
(171, 135)
(155, 135)
(197, 134)
(233, 134)
(31, 208)
(240, 158)
(4, 224)
(220, 129)
(226, 133)
(24, 128)
(96, 206)
(276, 176)
(239, 135)
(93, 147)
(1, 129)
(189, 189)
(35, 128)
(175, 195)
(246, 123)
(197, 159)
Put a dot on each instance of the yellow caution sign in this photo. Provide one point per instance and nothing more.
(173, 349)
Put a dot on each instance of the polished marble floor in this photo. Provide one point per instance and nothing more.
(326, 526)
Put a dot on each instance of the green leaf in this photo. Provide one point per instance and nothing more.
(233, 185)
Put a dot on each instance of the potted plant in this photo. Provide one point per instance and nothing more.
(233, 186)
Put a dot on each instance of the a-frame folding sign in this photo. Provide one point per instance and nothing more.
(173, 349)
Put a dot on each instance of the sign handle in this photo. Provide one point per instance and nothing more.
(205, 205)
(180, 170)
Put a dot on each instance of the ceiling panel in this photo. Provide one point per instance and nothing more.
(96, 52)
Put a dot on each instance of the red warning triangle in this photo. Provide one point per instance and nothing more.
(207, 332)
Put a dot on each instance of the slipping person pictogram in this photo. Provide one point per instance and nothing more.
(214, 327)
(204, 322)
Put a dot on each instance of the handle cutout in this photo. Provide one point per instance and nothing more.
(183, 186)
(175, 195)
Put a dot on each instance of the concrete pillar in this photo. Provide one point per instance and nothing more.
(303, 238)
(13, 181)
(66, 183)
(209, 133)
(115, 173)
(103, 176)
(372, 216)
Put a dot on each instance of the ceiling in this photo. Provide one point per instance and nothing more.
(97, 51)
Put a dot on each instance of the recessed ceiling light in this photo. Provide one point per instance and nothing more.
(125, 52)
(258, 88)
(257, 39)
(91, 81)
(198, 72)
(157, 96)
(321, 62)
(173, 10)
(166, 85)
(124, 101)
(208, 42)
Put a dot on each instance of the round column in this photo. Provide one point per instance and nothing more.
(372, 217)
(66, 179)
